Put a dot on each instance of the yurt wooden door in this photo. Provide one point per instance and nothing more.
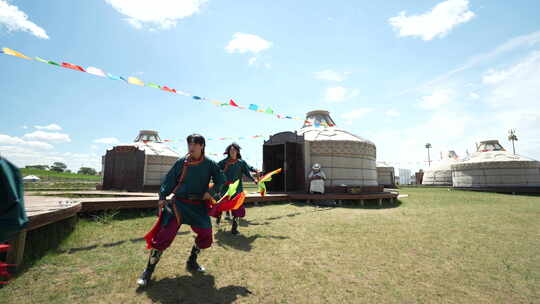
(289, 157)
(124, 169)
(274, 158)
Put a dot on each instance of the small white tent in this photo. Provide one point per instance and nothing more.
(31, 178)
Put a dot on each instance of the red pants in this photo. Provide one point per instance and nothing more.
(164, 237)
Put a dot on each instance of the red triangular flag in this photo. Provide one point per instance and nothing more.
(166, 88)
(72, 66)
(232, 103)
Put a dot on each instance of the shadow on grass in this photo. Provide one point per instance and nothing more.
(225, 239)
(120, 215)
(108, 245)
(373, 204)
(321, 209)
(199, 288)
(227, 222)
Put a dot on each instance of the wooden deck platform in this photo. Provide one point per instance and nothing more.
(43, 210)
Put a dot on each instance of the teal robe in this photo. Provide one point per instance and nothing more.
(193, 187)
(234, 172)
(12, 212)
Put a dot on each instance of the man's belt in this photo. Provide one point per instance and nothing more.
(190, 197)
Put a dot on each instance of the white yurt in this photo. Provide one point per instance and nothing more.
(138, 166)
(386, 175)
(346, 159)
(440, 174)
(491, 166)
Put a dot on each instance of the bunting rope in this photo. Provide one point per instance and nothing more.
(136, 81)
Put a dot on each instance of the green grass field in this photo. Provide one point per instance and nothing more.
(435, 246)
(59, 176)
(51, 180)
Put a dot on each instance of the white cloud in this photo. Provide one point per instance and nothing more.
(437, 22)
(392, 113)
(22, 156)
(243, 43)
(339, 94)
(106, 140)
(48, 136)
(528, 40)
(352, 115)
(15, 141)
(517, 86)
(16, 20)
(51, 127)
(437, 99)
(474, 96)
(252, 60)
(157, 14)
(330, 75)
(493, 76)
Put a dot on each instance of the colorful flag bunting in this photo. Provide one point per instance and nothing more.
(11, 52)
(41, 60)
(153, 85)
(68, 65)
(113, 77)
(135, 81)
(95, 71)
(166, 88)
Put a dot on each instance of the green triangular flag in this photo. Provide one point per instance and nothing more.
(41, 60)
(153, 85)
(232, 188)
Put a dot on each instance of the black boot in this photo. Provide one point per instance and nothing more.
(218, 220)
(192, 264)
(234, 229)
(153, 259)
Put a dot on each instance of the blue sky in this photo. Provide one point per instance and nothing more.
(399, 73)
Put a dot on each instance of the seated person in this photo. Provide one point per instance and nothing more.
(316, 180)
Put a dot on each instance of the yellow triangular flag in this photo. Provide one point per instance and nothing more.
(135, 80)
(14, 53)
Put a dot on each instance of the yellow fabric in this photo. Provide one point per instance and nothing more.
(15, 53)
(135, 80)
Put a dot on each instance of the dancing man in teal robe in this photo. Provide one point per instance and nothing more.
(188, 180)
(234, 168)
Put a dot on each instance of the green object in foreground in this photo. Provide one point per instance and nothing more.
(12, 213)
